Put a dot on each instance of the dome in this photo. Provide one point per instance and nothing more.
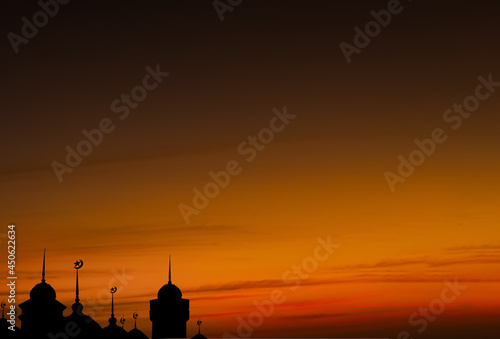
(136, 334)
(43, 291)
(169, 291)
(199, 336)
(113, 331)
(87, 325)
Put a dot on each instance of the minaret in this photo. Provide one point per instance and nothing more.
(112, 319)
(87, 327)
(199, 335)
(77, 307)
(135, 333)
(170, 312)
(113, 331)
(42, 313)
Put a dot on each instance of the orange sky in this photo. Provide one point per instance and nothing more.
(396, 249)
(321, 177)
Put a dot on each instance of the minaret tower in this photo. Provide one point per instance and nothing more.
(199, 335)
(170, 312)
(42, 313)
(113, 331)
(87, 327)
(135, 333)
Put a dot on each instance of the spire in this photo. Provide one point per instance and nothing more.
(113, 291)
(135, 320)
(78, 265)
(77, 298)
(169, 270)
(43, 268)
(199, 326)
(3, 309)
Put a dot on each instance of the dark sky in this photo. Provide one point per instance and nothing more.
(263, 54)
(225, 77)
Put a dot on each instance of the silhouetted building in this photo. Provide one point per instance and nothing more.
(170, 312)
(84, 327)
(5, 332)
(113, 331)
(135, 333)
(42, 313)
(42, 316)
(199, 335)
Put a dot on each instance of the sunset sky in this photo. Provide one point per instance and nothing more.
(321, 177)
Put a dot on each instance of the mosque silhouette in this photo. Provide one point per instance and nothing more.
(42, 316)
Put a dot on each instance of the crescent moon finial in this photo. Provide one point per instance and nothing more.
(78, 264)
(135, 315)
(113, 290)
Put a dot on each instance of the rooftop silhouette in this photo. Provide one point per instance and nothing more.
(42, 315)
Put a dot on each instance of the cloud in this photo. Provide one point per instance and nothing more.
(312, 316)
(480, 259)
(477, 248)
(381, 264)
